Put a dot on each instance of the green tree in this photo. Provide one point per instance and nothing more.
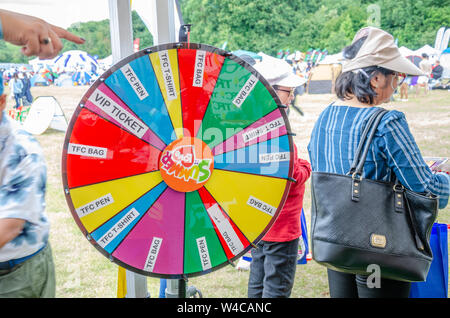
(271, 25)
(98, 36)
(244, 24)
(96, 33)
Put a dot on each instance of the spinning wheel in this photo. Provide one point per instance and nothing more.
(177, 160)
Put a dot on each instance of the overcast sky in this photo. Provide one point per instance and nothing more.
(60, 12)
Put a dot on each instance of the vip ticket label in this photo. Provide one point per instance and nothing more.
(134, 81)
(262, 130)
(88, 151)
(117, 228)
(199, 68)
(204, 253)
(225, 229)
(121, 115)
(245, 91)
(274, 157)
(95, 205)
(167, 74)
(261, 206)
(153, 254)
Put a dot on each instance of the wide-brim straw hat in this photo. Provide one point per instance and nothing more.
(379, 49)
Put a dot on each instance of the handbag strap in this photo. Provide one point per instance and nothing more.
(357, 166)
(366, 139)
(362, 150)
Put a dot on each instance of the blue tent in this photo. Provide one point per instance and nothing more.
(81, 78)
(38, 80)
(64, 80)
(251, 54)
(76, 59)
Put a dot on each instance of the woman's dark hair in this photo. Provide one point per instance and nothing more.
(357, 83)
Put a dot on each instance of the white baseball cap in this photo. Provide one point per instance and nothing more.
(278, 72)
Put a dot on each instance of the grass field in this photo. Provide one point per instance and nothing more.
(81, 271)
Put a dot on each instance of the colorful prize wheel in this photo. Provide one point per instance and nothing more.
(177, 160)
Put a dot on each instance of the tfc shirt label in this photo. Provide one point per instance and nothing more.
(262, 130)
(121, 225)
(167, 75)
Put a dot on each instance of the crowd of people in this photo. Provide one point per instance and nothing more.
(431, 78)
(371, 74)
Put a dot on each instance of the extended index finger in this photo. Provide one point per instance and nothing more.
(62, 33)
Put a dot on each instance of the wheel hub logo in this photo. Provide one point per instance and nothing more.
(186, 164)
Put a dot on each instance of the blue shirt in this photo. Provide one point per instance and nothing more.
(16, 85)
(336, 135)
(23, 177)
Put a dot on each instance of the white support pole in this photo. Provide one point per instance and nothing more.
(164, 15)
(164, 12)
(121, 29)
(136, 285)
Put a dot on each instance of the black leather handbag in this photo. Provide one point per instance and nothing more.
(356, 222)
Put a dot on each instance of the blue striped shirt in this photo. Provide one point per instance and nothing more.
(336, 135)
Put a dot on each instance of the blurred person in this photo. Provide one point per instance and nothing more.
(373, 69)
(299, 68)
(436, 74)
(404, 87)
(404, 92)
(26, 261)
(36, 36)
(274, 260)
(27, 98)
(16, 86)
(422, 81)
(299, 64)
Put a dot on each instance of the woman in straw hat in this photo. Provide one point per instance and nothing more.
(373, 70)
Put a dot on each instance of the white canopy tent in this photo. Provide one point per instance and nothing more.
(332, 59)
(405, 51)
(445, 62)
(430, 51)
(38, 64)
(105, 63)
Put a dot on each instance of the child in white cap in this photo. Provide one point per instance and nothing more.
(274, 261)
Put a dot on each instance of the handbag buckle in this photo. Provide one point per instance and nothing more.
(354, 174)
(356, 186)
(398, 197)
